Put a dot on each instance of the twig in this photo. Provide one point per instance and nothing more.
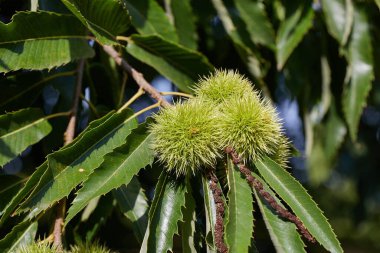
(219, 228)
(137, 76)
(68, 137)
(175, 93)
(254, 183)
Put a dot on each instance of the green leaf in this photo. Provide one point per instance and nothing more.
(210, 210)
(180, 65)
(118, 168)
(283, 233)
(293, 193)
(258, 25)
(189, 222)
(239, 228)
(164, 214)
(150, 19)
(242, 42)
(339, 16)
(106, 19)
(361, 69)
(328, 137)
(9, 187)
(134, 205)
(19, 130)
(24, 45)
(292, 30)
(72, 164)
(30, 184)
(184, 23)
(21, 235)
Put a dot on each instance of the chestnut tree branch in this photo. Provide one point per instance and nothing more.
(137, 76)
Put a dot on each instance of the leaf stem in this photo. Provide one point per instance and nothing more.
(91, 105)
(122, 38)
(138, 94)
(158, 104)
(137, 76)
(175, 93)
(58, 114)
(122, 89)
(61, 74)
(258, 186)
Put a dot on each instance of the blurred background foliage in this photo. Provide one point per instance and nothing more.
(319, 61)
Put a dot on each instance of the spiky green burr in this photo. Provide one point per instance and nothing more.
(222, 86)
(251, 126)
(185, 137)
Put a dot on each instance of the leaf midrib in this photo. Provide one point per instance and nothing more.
(84, 37)
(22, 128)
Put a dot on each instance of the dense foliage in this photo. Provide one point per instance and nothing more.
(79, 152)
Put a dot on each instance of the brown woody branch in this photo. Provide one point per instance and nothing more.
(68, 138)
(219, 228)
(256, 184)
(137, 76)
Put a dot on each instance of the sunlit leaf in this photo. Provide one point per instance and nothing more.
(184, 22)
(164, 214)
(258, 25)
(118, 168)
(361, 69)
(179, 64)
(292, 30)
(19, 130)
(293, 193)
(339, 16)
(150, 19)
(239, 228)
(105, 18)
(24, 45)
(72, 164)
(284, 234)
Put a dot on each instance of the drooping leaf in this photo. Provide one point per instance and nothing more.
(118, 168)
(72, 164)
(24, 45)
(180, 65)
(164, 214)
(9, 186)
(292, 30)
(293, 193)
(189, 222)
(339, 16)
(184, 23)
(361, 67)
(134, 205)
(19, 130)
(150, 19)
(106, 19)
(239, 228)
(283, 233)
(249, 54)
(327, 140)
(258, 25)
(21, 235)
